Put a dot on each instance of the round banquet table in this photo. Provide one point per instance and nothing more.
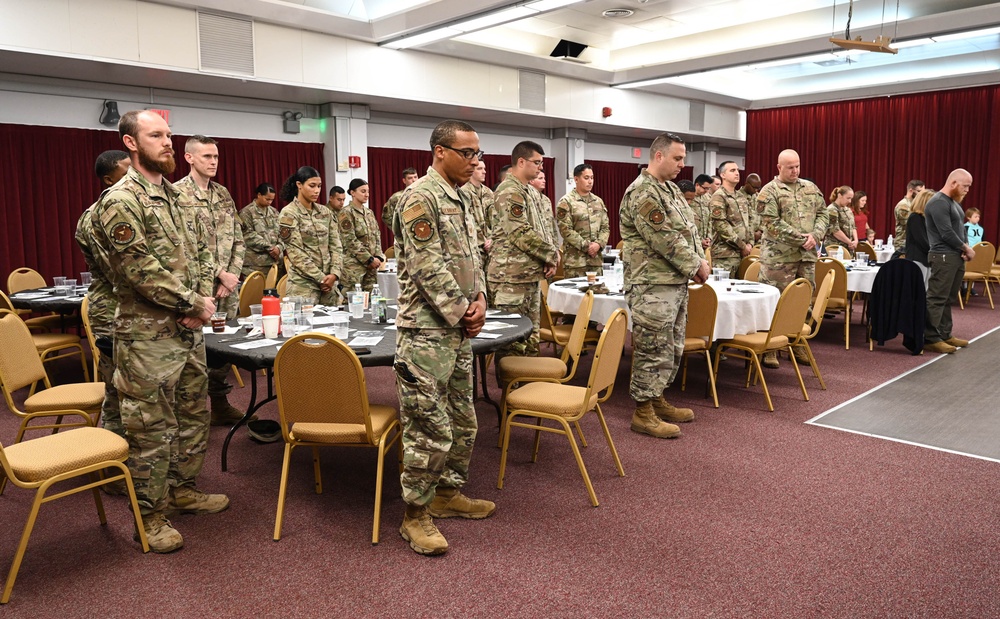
(861, 281)
(44, 300)
(220, 349)
(884, 254)
(740, 310)
(388, 284)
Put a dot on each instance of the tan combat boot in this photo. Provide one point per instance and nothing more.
(645, 421)
(957, 342)
(800, 355)
(668, 412)
(190, 500)
(451, 503)
(161, 536)
(418, 529)
(770, 360)
(224, 413)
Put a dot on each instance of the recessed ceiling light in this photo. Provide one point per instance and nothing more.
(618, 13)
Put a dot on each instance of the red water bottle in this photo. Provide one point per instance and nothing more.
(271, 304)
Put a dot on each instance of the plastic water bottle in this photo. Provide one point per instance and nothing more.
(840, 253)
(618, 269)
(890, 240)
(373, 303)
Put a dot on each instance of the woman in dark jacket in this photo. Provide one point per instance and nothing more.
(917, 245)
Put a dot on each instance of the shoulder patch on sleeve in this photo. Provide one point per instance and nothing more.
(284, 233)
(422, 230)
(413, 212)
(345, 223)
(287, 221)
(107, 216)
(656, 217)
(517, 210)
(648, 206)
(122, 233)
(562, 210)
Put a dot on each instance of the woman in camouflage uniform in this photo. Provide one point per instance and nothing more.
(361, 239)
(308, 231)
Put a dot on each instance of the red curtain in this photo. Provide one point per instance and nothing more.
(878, 145)
(47, 174)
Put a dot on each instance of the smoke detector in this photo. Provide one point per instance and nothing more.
(618, 13)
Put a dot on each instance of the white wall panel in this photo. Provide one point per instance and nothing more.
(278, 53)
(39, 24)
(168, 36)
(106, 29)
(323, 59)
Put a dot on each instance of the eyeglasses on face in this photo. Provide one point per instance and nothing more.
(467, 153)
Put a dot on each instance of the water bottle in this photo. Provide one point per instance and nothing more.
(840, 254)
(287, 317)
(374, 304)
(890, 240)
(618, 269)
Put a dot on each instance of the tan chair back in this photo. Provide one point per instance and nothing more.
(755, 252)
(95, 353)
(282, 286)
(571, 353)
(819, 304)
(390, 252)
(753, 272)
(272, 277)
(24, 279)
(5, 303)
(544, 315)
(741, 271)
(619, 245)
(983, 261)
(608, 355)
(309, 360)
(832, 249)
(251, 292)
(20, 365)
(864, 248)
(793, 305)
(824, 266)
(703, 305)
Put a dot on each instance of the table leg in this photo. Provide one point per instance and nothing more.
(486, 392)
(253, 407)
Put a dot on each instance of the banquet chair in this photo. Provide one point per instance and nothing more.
(282, 286)
(43, 462)
(29, 279)
(619, 245)
(832, 249)
(339, 415)
(864, 248)
(95, 353)
(815, 321)
(39, 323)
(251, 292)
(979, 269)
(544, 291)
(789, 316)
(752, 273)
(741, 271)
(272, 277)
(47, 344)
(565, 404)
(703, 305)
(755, 251)
(390, 252)
(840, 301)
(558, 334)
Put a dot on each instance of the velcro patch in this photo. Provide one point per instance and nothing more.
(122, 233)
(422, 230)
(516, 210)
(284, 233)
(287, 221)
(107, 216)
(346, 224)
(413, 212)
(647, 207)
(449, 209)
(562, 212)
(656, 217)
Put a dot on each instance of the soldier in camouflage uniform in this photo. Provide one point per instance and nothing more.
(157, 260)
(220, 221)
(389, 208)
(260, 234)
(751, 188)
(481, 198)
(701, 210)
(583, 224)
(545, 210)
(523, 248)
(361, 239)
(661, 253)
(902, 213)
(336, 201)
(732, 223)
(793, 214)
(309, 233)
(110, 167)
(441, 306)
(841, 229)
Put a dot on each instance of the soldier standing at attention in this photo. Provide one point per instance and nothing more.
(732, 222)
(750, 189)
(841, 230)
(441, 306)
(481, 198)
(224, 230)
(523, 251)
(260, 234)
(583, 223)
(702, 212)
(794, 217)
(389, 208)
(361, 239)
(661, 253)
(902, 213)
(308, 231)
(545, 208)
(336, 201)
(157, 261)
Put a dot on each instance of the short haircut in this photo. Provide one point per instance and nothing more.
(701, 179)
(969, 212)
(722, 166)
(716, 177)
(409, 171)
(914, 184)
(128, 124)
(580, 169)
(662, 142)
(524, 150)
(108, 161)
(444, 133)
(197, 139)
(336, 189)
(503, 169)
(685, 186)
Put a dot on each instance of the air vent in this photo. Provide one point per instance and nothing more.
(225, 44)
(618, 13)
(531, 91)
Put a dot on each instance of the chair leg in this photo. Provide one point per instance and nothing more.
(316, 474)
(504, 444)
(239, 378)
(763, 382)
(798, 372)
(989, 295)
(847, 329)
(379, 470)
(282, 490)
(97, 499)
(611, 443)
(711, 378)
(23, 545)
(537, 442)
(579, 462)
(684, 373)
(579, 432)
(134, 505)
(814, 365)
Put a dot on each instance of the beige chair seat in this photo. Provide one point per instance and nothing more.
(836, 304)
(692, 344)
(552, 398)
(46, 341)
(756, 341)
(52, 321)
(534, 367)
(87, 397)
(54, 454)
(806, 330)
(342, 433)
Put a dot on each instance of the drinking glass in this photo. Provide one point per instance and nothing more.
(85, 278)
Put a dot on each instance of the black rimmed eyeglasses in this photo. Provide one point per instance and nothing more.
(468, 153)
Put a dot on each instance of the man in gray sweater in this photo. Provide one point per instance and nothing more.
(946, 257)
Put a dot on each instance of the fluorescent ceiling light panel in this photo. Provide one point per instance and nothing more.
(964, 36)
(423, 38)
(913, 43)
(550, 5)
(494, 19)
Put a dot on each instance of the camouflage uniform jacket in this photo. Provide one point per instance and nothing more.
(522, 238)
(661, 240)
(902, 213)
(582, 220)
(311, 239)
(841, 218)
(482, 203)
(732, 223)
(156, 253)
(101, 297)
(389, 208)
(702, 215)
(260, 234)
(361, 239)
(221, 222)
(438, 261)
(788, 211)
(755, 223)
(545, 210)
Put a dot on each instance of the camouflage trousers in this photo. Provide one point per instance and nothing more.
(161, 385)
(659, 321)
(218, 378)
(111, 414)
(434, 385)
(523, 299)
(570, 272)
(358, 275)
(782, 274)
(309, 290)
(732, 264)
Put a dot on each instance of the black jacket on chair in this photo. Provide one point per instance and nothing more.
(898, 304)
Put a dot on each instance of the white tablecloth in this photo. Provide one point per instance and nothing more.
(884, 255)
(388, 284)
(861, 281)
(739, 312)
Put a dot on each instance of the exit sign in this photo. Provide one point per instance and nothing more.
(165, 114)
(636, 153)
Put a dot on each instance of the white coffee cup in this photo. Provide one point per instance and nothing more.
(271, 326)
